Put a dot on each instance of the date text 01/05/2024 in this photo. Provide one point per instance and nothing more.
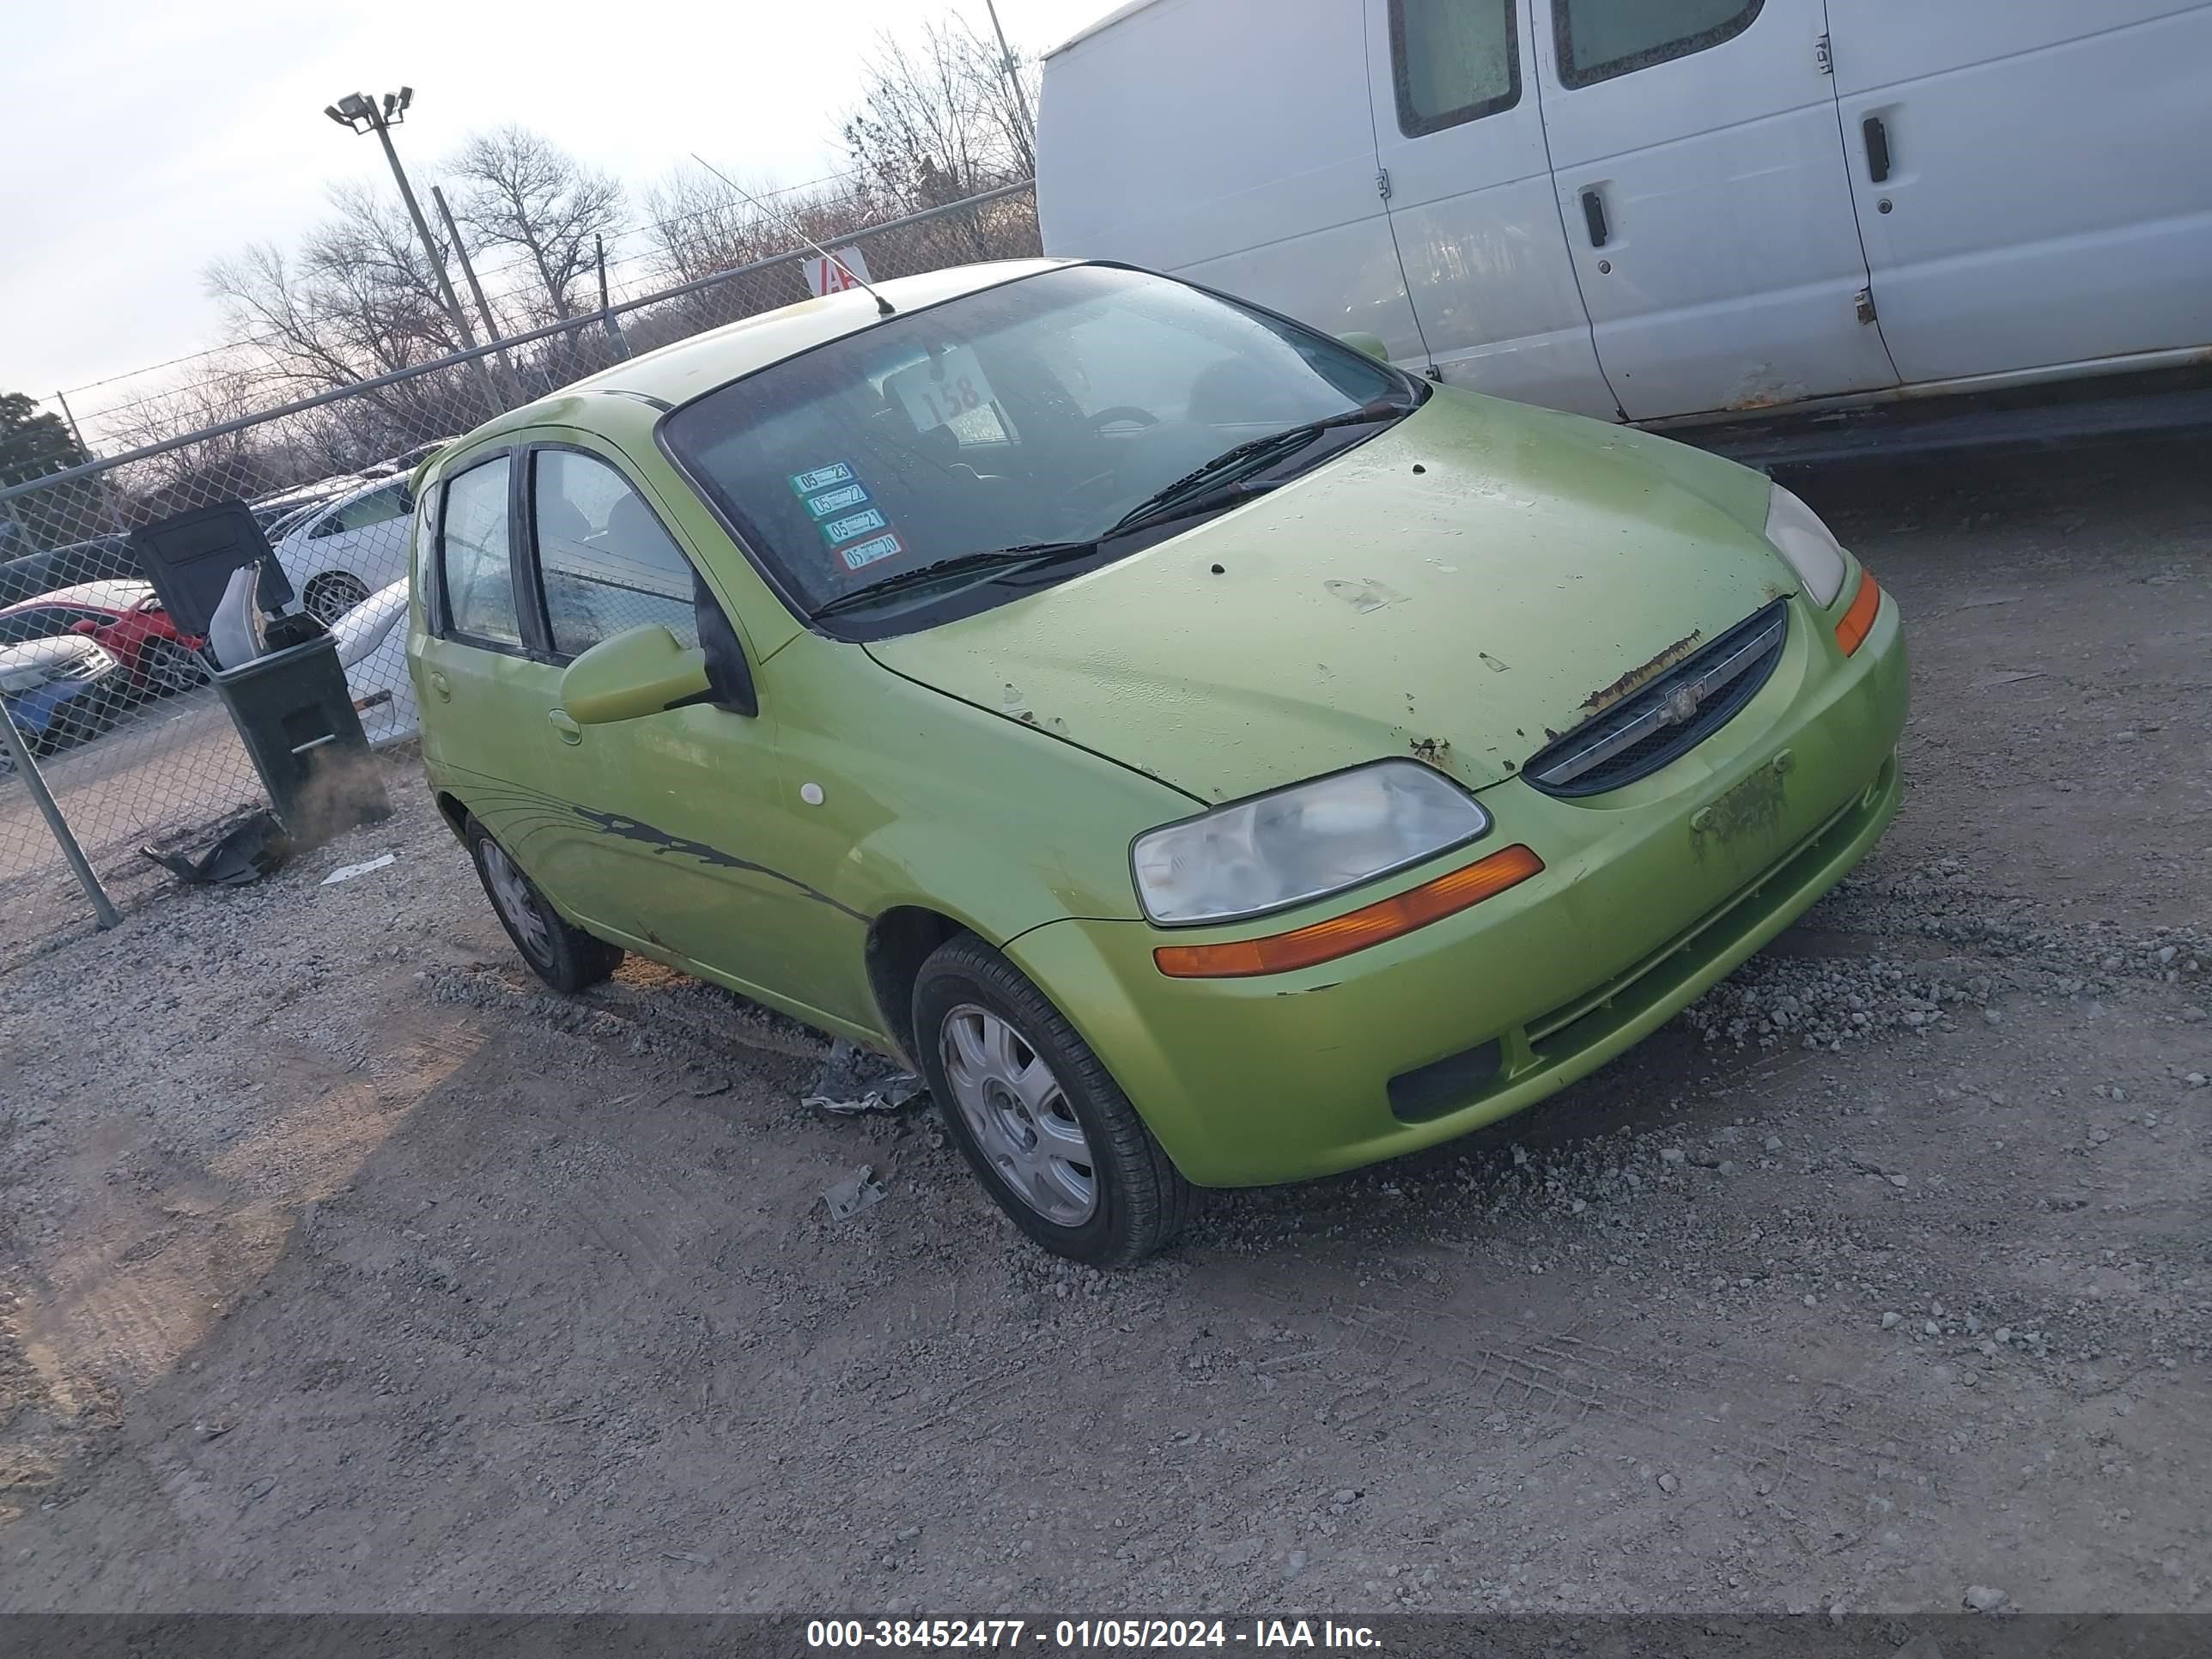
(1086, 1635)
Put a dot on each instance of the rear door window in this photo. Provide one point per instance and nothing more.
(475, 571)
(604, 561)
(1599, 40)
(1454, 61)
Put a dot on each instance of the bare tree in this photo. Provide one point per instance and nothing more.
(519, 190)
(357, 300)
(940, 120)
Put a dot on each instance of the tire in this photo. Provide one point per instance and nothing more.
(333, 593)
(982, 1030)
(567, 958)
(169, 668)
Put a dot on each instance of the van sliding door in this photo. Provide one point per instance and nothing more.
(1699, 163)
(1461, 146)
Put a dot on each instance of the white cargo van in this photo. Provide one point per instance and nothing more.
(1650, 210)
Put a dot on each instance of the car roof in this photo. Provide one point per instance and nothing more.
(1101, 25)
(118, 594)
(355, 494)
(678, 372)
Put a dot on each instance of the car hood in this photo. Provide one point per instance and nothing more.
(49, 655)
(1464, 588)
(363, 628)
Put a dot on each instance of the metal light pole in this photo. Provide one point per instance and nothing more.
(362, 114)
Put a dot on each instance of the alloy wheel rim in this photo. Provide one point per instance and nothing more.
(172, 669)
(1019, 1115)
(518, 905)
(334, 598)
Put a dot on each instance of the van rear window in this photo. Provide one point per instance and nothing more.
(1600, 38)
(1454, 61)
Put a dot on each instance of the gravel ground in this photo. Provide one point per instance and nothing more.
(345, 1268)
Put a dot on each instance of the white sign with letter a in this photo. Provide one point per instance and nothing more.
(823, 277)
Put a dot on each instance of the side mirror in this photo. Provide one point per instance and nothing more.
(640, 672)
(1370, 343)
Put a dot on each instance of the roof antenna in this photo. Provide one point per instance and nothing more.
(883, 307)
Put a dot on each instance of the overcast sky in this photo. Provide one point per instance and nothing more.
(146, 138)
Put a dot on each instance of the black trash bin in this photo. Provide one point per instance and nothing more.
(291, 705)
(294, 714)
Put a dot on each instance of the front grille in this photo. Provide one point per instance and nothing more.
(1668, 718)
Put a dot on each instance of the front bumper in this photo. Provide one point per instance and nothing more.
(62, 709)
(1651, 895)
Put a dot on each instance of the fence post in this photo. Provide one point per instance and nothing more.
(26, 769)
(491, 323)
(107, 484)
(606, 309)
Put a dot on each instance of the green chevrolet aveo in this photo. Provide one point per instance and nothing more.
(1211, 755)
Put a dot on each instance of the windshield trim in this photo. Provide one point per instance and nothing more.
(838, 626)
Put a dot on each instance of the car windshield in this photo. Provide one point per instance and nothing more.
(1034, 414)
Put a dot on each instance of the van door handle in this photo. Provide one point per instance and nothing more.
(441, 686)
(1593, 216)
(1877, 148)
(569, 731)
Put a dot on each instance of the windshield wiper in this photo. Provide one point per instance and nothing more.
(1188, 494)
(1027, 556)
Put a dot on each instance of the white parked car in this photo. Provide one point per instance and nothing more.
(336, 557)
(371, 642)
(1664, 210)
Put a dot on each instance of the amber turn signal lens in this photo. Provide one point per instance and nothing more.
(1340, 936)
(1858, 621)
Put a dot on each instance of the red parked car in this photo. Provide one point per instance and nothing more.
(124, 616)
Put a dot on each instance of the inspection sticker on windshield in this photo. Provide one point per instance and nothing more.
(837, 500)
(884, 547)
(822, 477)
(941, 388)
(855, 524)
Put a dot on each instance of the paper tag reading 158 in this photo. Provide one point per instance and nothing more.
(941, 388)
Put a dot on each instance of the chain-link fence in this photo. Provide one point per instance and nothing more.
(117, 719)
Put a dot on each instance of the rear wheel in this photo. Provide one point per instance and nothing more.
(333, 593)
(1038, 1115)
(565, 957)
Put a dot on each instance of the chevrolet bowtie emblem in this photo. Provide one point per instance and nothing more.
(1682, 705)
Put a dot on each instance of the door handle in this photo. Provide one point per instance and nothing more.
(1877, 148)
(569, 731)
(1593, 216)
(441, 686)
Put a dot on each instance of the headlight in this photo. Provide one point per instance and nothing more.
(1799, 536)
(1301, 843)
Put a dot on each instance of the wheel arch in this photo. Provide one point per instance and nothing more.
(900, 941)
(455, 815)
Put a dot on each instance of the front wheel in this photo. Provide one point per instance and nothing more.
(1038, 1115)
(567, 958)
